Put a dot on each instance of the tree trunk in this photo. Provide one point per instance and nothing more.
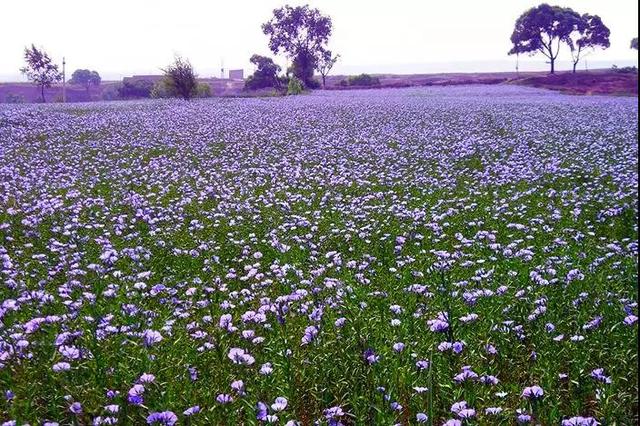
(42, 92)
(324, 81)
(553, 68)
(575, 64)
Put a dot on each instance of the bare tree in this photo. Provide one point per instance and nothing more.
(325, 63)
(40, 69)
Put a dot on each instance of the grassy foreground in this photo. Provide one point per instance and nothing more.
(428, 256)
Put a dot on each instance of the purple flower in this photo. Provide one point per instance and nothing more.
(467, 413)
(422, 364)
(440, 324)
(458, 406)
(523, 418)
(457, 347)
(580, 421)
(76, 408)
(263, 411)
(224, 398)
(191, 411)
(310, 334)
(167, 418)
(370, 356)
(112, 408)
(630, 320)
(467, 374)
(489, 380)
(532, 392)
(599, 375)
(69, 352)
(333, 413)
(490, 349)
(266, 369)
(398, 347)
(238, 387)
(239, 356)
(134, 396)
(150, 338)
(61, 366)
(279, 404)
(422, 418)
(147, 378)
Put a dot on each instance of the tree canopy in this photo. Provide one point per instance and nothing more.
(85, 78)
(589, 32)
(634, 43)
(266, 74)
(543, 29)
(302, 34)
(40, 69)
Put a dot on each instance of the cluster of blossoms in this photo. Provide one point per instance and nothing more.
(408, 240)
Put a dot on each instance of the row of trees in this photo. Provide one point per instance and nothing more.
(40, 69)
(544, 29)
(302, 35)
(179, 79)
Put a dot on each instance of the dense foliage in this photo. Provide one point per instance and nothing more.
(414, 256)
(302, 33)
(86, 78)
(181, 79)
(361, 80)
(543, 29)
(135, 89)
(265, 75)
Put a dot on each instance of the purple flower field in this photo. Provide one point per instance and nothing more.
(456, 255)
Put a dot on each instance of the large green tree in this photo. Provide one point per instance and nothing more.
(543, 29)
(85, 78)
(302, 34)
(266, 74)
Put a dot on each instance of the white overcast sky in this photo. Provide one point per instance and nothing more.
(125, 37)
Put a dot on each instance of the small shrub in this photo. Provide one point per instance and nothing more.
(203, 90)
(136, 89)
(181, 78)
(312, 84)
(295, 86)
(162, 89)
(14, 99)
(111, 93)
(363, 80)
(624, 70)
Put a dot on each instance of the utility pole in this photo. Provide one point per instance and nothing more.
(64, 82)
(221, 68)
